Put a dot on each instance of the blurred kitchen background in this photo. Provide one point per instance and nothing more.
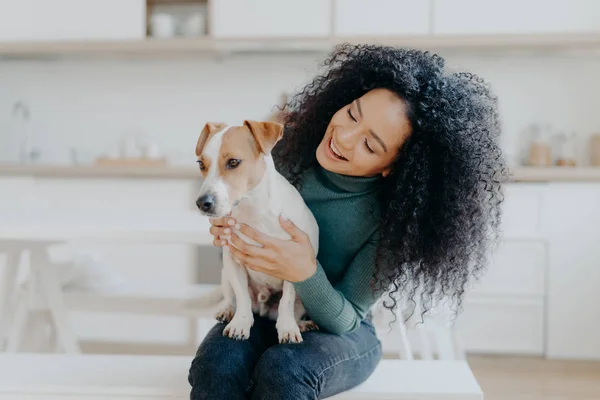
(102, 101)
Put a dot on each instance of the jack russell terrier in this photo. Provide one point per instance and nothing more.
(240, 178)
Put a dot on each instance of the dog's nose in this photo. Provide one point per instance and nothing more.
(206, 202)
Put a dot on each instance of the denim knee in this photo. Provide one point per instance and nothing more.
(219, 375)
(279, 375)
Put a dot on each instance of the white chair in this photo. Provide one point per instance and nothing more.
(427, 337)
(13, 259)
(35, 306)
(433, 338)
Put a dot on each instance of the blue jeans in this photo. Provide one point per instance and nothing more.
(321, 366)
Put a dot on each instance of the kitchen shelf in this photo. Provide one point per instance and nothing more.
(207, 45)
(521, 174)
(176, 2)
(555, 174)
(109, 172)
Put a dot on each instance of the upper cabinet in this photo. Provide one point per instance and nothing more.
(45, 20)
(313, 25)
(381, 17)
(270, 18)
(476, 17)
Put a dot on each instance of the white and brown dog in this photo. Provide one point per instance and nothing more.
(240, 178)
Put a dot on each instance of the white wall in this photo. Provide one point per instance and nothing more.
(89, 104)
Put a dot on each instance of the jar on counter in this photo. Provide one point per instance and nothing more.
(540, 153)
(595, 150)
(566, 149)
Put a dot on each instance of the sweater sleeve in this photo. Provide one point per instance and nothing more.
(340, 309)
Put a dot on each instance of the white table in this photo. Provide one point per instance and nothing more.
(31, 234)
(165, 377)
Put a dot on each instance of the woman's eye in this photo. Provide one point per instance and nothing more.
(369, 149)
(201, 165)
(233, 163)
(351, 116)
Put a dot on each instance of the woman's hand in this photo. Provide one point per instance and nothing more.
(291, 260)
(220, 228)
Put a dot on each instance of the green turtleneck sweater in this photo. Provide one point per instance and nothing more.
(339, 295)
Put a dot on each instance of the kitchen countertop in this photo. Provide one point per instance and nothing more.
(93, 171)
(521, 174)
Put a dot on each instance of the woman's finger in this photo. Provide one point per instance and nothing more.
(222, 221)
(215, 230)
(247, 248)
(296, 233)
(254, 263)
(255, 235)
(237, 254)
(219, 243)
(259, 265)
(218, 231)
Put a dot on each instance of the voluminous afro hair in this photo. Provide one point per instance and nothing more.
(441, 206)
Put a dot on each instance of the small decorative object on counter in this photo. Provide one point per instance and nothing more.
(540, 153)
(566, 150)
(595, 150)
(134, 150)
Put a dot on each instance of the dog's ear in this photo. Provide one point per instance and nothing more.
(210, 128)
(267, 134)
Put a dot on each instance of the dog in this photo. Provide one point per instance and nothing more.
(240, 179)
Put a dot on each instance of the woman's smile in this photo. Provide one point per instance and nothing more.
(334, 153)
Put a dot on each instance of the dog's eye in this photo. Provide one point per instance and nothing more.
(233, 163)
(201, 165)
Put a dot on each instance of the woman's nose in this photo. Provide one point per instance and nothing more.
(347, 138)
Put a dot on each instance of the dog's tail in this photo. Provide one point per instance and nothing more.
(206, 300)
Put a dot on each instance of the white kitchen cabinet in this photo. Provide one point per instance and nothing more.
(44, 20)
(508, 325)
(522, 208)
(381, 17)
(517, 269)
(572, 215)
(270, 18)
(504, 312)
(473, 17)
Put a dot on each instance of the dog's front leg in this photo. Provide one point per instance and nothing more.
(226, 307)
(242, 321)
(287, 328)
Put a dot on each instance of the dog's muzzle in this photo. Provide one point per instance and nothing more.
(206, 203)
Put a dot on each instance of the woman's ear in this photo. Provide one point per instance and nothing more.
(386, 173)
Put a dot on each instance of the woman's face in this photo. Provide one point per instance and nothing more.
(364, 137)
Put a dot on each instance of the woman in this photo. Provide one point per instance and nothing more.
(399, 162)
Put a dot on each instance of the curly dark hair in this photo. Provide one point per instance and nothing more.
(441, 206)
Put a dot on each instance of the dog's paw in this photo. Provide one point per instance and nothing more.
(225, 313)
(239, 327)
(288, 331)
(307, 326)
